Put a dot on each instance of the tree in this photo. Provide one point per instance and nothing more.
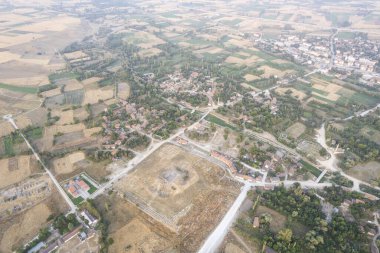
(285, 235)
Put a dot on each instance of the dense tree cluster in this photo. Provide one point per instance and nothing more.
(358, 146)
(65, 224)
(339, 235)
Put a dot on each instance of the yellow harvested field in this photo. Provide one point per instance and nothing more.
(111, 101)
(28, 227)
(66, 164)
(23, 121)
(294, 93)
(316, 100)
(239, 42)
(149, 39)
(73, 84)
(234, 60)
(185, 44)
(93, 96)
(91, 80)
(8, 41)
(209, 37)
(179, 29)
(149, 52)
(327, 87)
(5, 128)
(123, 91)
(59, 24)
(280, 61)
(91, 131)
(65, 117)
(75, 55)
(19, 169)
(51, 93)
(247, 86)
(27, 81)
(268, 72)
(210, 50)
(249, 61)
(140, 237)
(250, 77)
(330, 88)
(52, 130)
(8, 56)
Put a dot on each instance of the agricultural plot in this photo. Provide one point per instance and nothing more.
(94, 95)
(123, 90)
(269, 71)
(17, 169)
(67, 163)
(142, 39)
(66, 137)
(331, 99)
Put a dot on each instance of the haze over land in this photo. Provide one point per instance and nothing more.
(189, 126)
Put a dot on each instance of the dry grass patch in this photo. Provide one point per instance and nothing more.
(59, 24)
(149, 52)
(33, 80)
(278, 220)
(293, 92)
(268, 72)
(28, 227)
(296, 130)
(72, 85)
(123, 90)
(368, 172)
(91, 131)
(232, 248)
(15, 169)
(249, 77)
(51, 93)
(242, 43)
(139, 237)
(65, 117)
(75, 55)
(67, 163)
(92, 96)
(91, 80)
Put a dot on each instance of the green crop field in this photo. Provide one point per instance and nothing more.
(313, 170)
(19, 89)
(218, 121)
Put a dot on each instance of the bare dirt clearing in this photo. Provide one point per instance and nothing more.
(23, 227)
(369, 172)
(181, 188)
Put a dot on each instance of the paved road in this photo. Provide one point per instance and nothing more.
(215, 239)
(60, 189)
